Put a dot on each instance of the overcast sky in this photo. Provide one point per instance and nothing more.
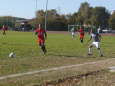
(27, 8)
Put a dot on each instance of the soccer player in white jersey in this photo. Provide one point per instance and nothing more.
(96, 37)
(73, 32)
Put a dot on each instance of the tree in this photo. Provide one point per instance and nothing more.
(7, 20)
(112, 21)
(100, 16)
(55, 21)
(10, 22)
(40, 17)
(72, 18)
(84, 13)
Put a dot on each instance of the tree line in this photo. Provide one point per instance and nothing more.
(86, 15)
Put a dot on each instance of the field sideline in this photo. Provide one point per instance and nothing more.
(99, 63)
(62, 51)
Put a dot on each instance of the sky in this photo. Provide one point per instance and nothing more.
(27, 8)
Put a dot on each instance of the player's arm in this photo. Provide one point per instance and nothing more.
(90, 39)
(36, 33)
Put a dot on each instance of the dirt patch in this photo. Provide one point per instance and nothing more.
(95, 78)
(96, 75)
(69, 80)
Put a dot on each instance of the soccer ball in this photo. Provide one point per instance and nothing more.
(12, 55)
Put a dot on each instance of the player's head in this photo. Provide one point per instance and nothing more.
(3, 26)
(38, 26)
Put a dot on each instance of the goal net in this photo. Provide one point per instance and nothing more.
(73, 27)
(77, 27)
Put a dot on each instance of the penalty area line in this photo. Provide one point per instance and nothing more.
(50, 69)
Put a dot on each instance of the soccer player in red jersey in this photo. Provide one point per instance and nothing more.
(81, 32)
(4, 28)
(41, 33)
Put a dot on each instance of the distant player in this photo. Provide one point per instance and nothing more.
(73, 32)
(41, 33)
(81, 32)
(99, 30)
(96, 37)
(4, 28)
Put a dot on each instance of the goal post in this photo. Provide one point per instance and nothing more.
(86, 28)
(75, 27)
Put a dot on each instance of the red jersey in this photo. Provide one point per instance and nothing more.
(4, 28)
(81, 31)
(40, 33)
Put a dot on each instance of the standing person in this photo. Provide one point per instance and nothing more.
(4, 28)
(41, 33)
(73, 32)
(96, 37)
(99, 30)
(81, 32)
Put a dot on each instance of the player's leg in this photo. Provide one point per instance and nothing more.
(98, 48)
(100, 52)
(43, 47)
(40, 44)
(90, 49)
(4, 33)
(81, 39)
(73, 34)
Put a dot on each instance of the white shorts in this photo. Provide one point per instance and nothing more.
(96, 44)
(73, 33)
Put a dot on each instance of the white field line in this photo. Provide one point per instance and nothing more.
(50, 69)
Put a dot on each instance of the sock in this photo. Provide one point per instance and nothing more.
(100, 52)
(44, 49)
(90, 51)
(81, 40)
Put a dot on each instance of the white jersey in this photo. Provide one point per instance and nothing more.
(96, 37)
(96, 40)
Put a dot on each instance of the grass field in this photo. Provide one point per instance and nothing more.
(62, 50)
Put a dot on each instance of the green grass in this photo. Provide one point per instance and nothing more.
(24, 45)
(62, 50)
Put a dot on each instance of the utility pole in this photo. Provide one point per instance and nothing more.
(46, 15)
